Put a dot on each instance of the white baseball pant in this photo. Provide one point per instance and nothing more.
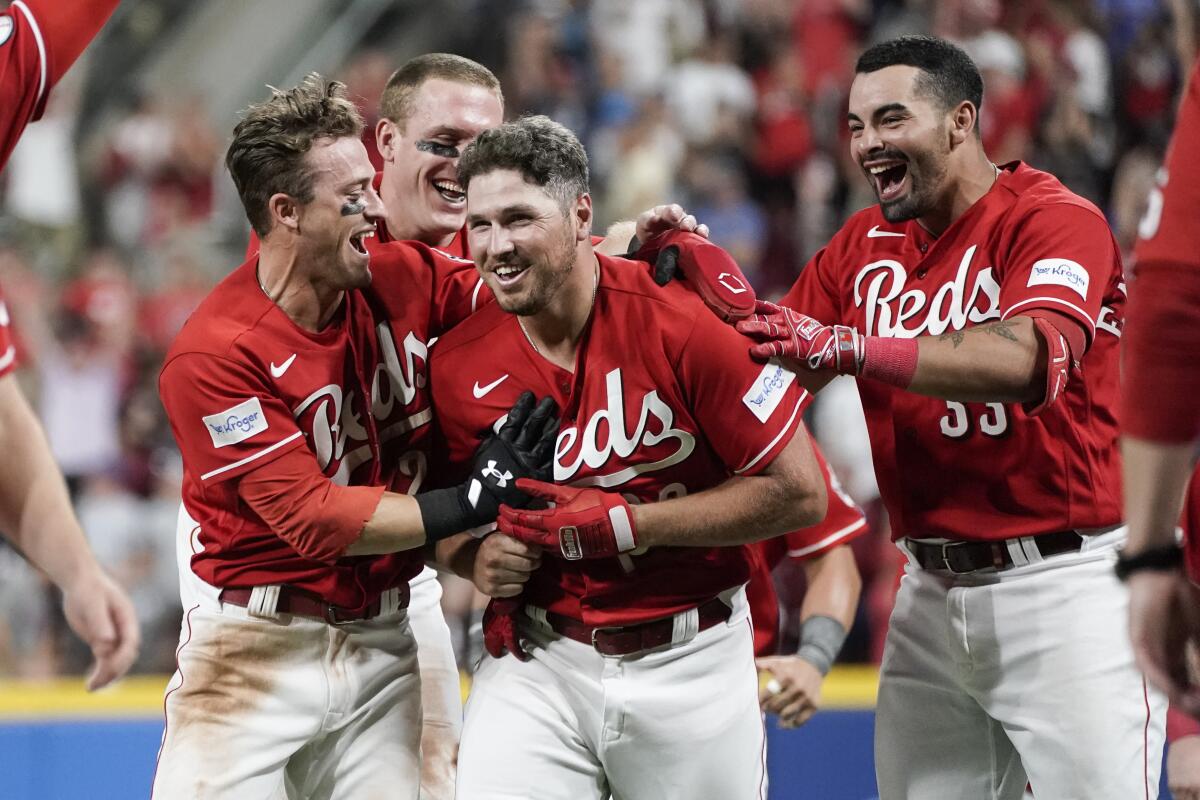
(676, 723)
(990, 679)
(441, 690)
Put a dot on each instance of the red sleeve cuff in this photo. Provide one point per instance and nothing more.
(1180, 725)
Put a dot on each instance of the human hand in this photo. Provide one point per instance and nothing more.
(503, 564)
(584, 523)
(794, 690)
(101, 613)
(1183, 768)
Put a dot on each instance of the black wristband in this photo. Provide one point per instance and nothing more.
(1159, 559)
(443, 513)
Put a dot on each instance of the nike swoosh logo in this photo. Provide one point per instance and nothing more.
(480, 391)
(277, 372)
(875, 233)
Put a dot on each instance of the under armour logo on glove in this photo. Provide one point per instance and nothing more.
(790, 334)
(502, 478)
(584, 523)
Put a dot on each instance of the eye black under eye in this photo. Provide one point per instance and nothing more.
(438, 149)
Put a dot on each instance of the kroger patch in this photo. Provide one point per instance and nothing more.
(768, 389)
(236, 424)
(1060, 272)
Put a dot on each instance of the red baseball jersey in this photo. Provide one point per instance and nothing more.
(24, 74)
(844, 521)
(1168, 230)
(664, 401)
(1162, 341)
(242, 385)
(985, 470)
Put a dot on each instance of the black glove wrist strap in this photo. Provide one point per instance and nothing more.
(1165, 558)
(444, 513)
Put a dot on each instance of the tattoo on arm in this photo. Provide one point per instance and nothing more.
(1003, 329)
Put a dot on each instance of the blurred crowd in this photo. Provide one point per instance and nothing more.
(735, 108)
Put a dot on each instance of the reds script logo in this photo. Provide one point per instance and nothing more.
(593, 449)
(891, 311)
(336, 431)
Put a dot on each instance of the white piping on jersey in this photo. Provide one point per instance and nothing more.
(248, 459)
(833, 537)
(7, 358)
(1076, 308)
(405, 425)
(475, 295)
(41, 46)
(778, 436)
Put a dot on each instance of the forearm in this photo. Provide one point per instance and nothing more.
(35, 510)
(457, 554)
(834, 586)
(616, 238)
(789, 494)
(1156, 478)
(396, 525)
(1003, 361)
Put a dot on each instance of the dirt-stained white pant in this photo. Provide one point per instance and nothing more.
(281, 706)
(441, 689)
(990, 679)
(675, 723)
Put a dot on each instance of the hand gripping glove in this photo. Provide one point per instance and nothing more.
(708, 270)
(790, 334)
(584, 523)
(500, 630)
(523, 448)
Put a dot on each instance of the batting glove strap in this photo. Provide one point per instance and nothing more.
(445, 512)
(790, 334)
(584, 523)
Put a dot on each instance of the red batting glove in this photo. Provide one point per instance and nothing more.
(710, 271)
(584, 523)
(500, 630)
(790, 334)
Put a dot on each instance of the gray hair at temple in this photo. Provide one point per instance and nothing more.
(544, 152)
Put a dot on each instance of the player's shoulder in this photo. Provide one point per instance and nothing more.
(482, 330)
(233, 310)
(632, 283)
(1037, 193)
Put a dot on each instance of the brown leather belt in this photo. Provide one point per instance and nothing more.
(963, 557)
(307, 604)
(629, 639)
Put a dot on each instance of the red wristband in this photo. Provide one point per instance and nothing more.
(891, 361)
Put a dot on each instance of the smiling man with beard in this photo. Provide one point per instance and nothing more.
(632, 672)
(980, 307)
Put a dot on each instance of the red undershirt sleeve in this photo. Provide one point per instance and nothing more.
(317, 517)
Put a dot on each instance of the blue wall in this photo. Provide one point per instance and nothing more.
(827, 759)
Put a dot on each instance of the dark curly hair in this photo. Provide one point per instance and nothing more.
(544, 152)
(266, 156)
(947, 73)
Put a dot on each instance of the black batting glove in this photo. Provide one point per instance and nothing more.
(522, 448)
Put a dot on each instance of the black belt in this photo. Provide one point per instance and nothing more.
(307, 604)
(963, 557)
(629, 639)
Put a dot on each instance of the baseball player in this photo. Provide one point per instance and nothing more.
(1161, 415)
(793, 688)
(674, 448)
(980, 307)
(297, 395)
(433, 106)
(39, 40)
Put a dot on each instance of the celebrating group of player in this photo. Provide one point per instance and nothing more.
(618, 459)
